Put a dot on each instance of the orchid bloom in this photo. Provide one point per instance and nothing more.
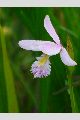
(41, 67)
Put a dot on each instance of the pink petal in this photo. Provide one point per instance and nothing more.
(66, 58)
(47, 47)
(43, 70)
(30, 44)
(50, 29)
(50, 48)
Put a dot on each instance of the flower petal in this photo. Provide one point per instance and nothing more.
(66, 58)
(50, 48)
(41, 70)
(31, 44)
(50, 29)
(47, 47)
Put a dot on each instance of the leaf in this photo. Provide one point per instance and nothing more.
(10, 86)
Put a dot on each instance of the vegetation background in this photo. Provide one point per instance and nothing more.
(19, 92)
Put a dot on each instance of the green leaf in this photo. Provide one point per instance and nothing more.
(10, 86)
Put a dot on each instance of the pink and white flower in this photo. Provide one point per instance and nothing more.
(41, 67)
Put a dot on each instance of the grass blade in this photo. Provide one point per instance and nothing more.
(10, 87)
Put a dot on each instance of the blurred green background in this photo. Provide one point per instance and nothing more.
(19, 91)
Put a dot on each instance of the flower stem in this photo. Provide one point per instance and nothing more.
(72, 95)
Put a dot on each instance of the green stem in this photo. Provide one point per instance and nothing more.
(72, 95)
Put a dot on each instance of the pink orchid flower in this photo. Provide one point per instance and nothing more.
(41, 67)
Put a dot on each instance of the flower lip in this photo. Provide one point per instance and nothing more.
(41, 67)
(43, 60)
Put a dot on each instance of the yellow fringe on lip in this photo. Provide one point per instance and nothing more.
(43, 60)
